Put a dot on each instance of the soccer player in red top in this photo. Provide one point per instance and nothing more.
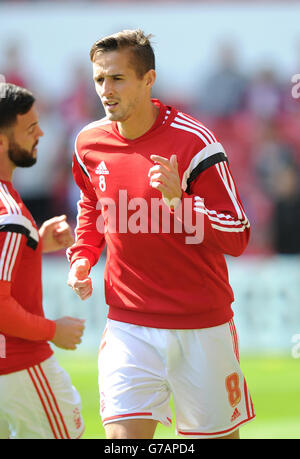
(37, 399)
(156, 188)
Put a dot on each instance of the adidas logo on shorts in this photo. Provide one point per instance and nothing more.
(235, 415)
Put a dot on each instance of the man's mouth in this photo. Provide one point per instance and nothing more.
(111, 105)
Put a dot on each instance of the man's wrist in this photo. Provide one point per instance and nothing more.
(173, 203)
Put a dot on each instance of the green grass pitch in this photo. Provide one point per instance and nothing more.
(274, 383)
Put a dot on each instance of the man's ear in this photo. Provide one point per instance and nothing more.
(150, 78)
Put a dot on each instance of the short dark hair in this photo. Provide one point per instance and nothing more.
(133, 40)
(14, 101)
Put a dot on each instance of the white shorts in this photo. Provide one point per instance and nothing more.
(40, 403)
(141, 367)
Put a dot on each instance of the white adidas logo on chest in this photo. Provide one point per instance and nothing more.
(102, 169)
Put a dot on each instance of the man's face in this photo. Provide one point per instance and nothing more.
(121, 92)
(23, 140)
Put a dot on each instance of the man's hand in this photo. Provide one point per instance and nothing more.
(78, 278)
(56, 234)
(164, 177)
(68, 332)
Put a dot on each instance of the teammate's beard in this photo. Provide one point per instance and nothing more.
(19, 156)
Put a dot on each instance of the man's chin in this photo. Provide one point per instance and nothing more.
(27, 163)
(21, 157)
(112, 116)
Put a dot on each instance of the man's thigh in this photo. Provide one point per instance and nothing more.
(132, 382)
(41, 403)
(211, 398)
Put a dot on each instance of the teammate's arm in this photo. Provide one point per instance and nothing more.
(56, 234)
(14, 319)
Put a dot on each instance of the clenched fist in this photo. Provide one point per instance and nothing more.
(68, 333)
(79, 279)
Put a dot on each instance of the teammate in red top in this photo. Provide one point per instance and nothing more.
(37, 399)
(156, 187)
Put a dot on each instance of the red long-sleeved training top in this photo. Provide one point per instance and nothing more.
(158, 273)
(24, 331)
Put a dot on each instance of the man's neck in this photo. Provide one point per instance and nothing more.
(5, 177)
(134, 128)
(6, 172)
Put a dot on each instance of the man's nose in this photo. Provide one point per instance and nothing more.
(106, 89)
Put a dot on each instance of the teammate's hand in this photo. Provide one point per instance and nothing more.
(78, 278)
(164, 177)
(56, 234)
(68, 332)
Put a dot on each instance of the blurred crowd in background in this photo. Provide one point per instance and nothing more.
(254, 116)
